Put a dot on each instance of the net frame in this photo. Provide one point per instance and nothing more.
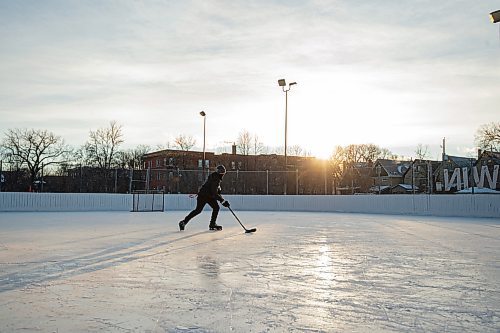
(155, 201)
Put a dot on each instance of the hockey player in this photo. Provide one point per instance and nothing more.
(209, 193)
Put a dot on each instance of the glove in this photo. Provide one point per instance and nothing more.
(226, 204)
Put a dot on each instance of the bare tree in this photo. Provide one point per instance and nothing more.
(353, 154)
(369, 152)
(165, 146)
(344, 159)
(337, 166)
(133, 158)
(184, 142)
(33, 149)
(488, 136)
(387, 154)
(258, 146)
(279, 150)
(137, 156)
(102, 147)
(297, 150)
(422, 152)
(244, 142)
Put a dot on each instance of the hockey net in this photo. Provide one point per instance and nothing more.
(148, 201)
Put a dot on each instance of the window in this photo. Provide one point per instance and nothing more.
(233, 165)
(199, 164)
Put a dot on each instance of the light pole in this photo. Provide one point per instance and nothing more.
(282, 84)
(203, 114)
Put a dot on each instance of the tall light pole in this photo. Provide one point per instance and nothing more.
(282, 84)
(203, 114)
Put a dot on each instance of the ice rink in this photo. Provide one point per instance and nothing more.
(300, 272)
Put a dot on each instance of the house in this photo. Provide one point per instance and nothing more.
(421, 174)
(386, 174)
(404, 189)
(356, 178)
(456, 173)
(487, 162)
(446, 173)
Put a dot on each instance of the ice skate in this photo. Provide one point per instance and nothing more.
(214, 226)
(182, 224)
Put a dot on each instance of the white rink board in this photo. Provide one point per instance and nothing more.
(62, 202)
(466, 205)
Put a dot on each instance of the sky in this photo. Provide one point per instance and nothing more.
(392, 73)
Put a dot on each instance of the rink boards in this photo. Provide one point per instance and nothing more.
(466, 205)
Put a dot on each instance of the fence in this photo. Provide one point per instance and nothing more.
(177, 181)
(466, 205)
(93, 180)
(76, 180)
(238, 182)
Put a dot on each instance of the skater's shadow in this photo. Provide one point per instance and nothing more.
(47, 270)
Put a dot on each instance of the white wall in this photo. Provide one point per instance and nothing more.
(476, 205)
(60, 202)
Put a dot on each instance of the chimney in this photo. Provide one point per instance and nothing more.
(233, 149)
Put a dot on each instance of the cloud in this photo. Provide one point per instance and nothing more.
(152, 65)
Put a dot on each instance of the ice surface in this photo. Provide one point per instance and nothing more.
(300, 272)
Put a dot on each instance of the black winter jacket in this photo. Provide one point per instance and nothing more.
(211, 188)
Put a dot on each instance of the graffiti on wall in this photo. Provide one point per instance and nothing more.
(460, 178)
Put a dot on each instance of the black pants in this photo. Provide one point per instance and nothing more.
(201, 201)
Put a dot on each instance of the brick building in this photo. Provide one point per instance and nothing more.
(177, 171)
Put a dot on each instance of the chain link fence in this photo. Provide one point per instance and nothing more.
(235, 182)
(93, 180)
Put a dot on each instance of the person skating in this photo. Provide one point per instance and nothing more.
(209, 193)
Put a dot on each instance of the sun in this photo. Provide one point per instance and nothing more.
(322, 152)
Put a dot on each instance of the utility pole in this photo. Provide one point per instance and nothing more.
(443, 155)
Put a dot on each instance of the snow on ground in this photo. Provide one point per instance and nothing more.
(300, 272)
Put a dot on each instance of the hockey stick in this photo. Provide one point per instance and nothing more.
(246, 230)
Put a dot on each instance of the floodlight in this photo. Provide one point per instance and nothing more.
(282, 82)
(291, 84)
(203, 114)
(495, 16)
